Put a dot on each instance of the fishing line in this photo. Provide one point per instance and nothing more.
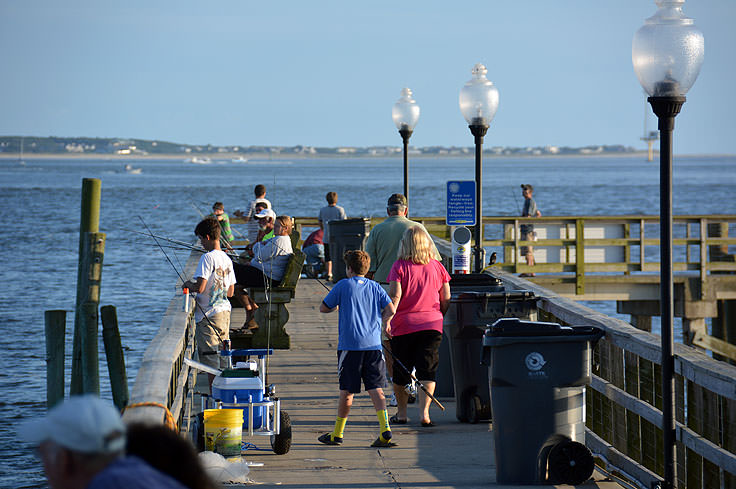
(177, 272)
(516, 201)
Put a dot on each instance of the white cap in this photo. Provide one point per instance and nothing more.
(84, 424)
(266, 213)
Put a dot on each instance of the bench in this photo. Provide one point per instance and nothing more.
(273, 316)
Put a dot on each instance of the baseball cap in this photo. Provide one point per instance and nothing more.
(84, 424)
(266, 213)
(397, 199)
(527, 186)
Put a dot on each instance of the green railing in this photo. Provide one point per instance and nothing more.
(576, 246)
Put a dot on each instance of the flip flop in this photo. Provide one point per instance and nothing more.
(396, 420)
(428, 424)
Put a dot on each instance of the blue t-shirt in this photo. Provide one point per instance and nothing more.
(361, 301)
(132, 473)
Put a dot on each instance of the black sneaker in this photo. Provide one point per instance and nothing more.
(328, 439)
(383, 444)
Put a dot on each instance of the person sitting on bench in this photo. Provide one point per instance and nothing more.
(267, 265)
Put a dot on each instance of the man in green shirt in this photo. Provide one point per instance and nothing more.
(383, 241)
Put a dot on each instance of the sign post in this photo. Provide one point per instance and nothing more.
(460, 213)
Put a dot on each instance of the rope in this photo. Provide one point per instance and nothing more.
(169, 418)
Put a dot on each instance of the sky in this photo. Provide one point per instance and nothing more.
(327, 73)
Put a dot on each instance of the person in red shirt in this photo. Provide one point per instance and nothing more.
(314, 248)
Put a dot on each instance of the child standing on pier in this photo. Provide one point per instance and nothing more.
(364, 309)
(214, 282)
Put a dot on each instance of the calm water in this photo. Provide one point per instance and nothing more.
(41, 221)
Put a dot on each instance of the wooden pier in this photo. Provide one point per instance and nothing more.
(623, 403)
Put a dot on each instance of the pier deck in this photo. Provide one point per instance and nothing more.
(450, 455)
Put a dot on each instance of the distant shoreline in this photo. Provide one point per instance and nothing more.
(261, 157)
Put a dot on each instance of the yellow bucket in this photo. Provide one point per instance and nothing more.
(223, 431)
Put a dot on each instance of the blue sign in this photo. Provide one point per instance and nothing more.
(461, 203)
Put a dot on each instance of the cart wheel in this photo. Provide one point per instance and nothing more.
(281, 443)
(198, 432)
(570, 462)
(475, 409)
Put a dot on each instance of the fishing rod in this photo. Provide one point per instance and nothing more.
(414, 378)
(182, 244)
(516, 201)
(177, 272)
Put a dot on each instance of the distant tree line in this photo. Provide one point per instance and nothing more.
(71, 145)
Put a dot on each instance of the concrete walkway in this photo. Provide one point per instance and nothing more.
(450, 455)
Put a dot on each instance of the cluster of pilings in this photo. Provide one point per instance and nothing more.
(85, 378)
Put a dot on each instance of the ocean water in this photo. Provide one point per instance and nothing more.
(41, 234)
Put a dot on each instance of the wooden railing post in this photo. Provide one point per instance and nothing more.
(55, 328)
(579, 256)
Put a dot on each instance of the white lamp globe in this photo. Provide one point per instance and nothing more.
(405, 111)
(667, 51)
(479, 98)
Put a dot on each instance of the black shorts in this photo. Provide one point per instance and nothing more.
(354, 366)
(421, 351)
(327, 252)
(250, 276)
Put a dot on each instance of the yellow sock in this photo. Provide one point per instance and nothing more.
(383, 422)
(339, 427)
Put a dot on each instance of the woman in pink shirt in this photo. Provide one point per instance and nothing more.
(420, 291)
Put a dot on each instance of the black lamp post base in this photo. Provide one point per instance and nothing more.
(666, 108)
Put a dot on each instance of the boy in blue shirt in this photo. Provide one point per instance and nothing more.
(364, 309)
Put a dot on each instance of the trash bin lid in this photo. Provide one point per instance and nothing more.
(464, 296)
(482, 280)
(519, 327)
(513, 330)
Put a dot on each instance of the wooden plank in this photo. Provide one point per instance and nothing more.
(618, 413)
(714, 344)
(633, 422)
(711, 431)
(694, 462)
(728, 408)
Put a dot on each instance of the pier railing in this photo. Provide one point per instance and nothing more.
(163, 378)
(584, 245)
(624, 405)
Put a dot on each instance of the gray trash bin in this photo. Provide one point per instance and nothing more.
(348, 234)
(538, 372)
(480, 282)
(470, 312)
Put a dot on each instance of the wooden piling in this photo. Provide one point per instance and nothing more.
(92, 257)
(115, 357)
(88, 320)
(55, 328)
(89, 222)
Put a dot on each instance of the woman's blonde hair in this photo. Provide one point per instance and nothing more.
(286, 223)
(416, 245)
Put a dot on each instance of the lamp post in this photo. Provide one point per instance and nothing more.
(405, 114)
(667, 52)
(478, 104)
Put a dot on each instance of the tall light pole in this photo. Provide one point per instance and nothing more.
(405, 114)
(478, 104)
(667, 52)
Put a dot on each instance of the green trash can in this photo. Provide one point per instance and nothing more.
(538, 372)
